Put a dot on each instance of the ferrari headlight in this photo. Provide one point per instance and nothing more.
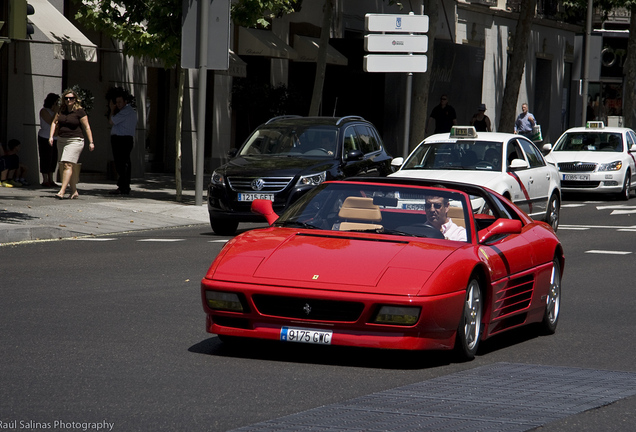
(397, 315)
(217, 179)
(223, 301)
(612, 166)
(313, 179)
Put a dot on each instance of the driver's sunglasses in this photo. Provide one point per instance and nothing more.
(437, 206)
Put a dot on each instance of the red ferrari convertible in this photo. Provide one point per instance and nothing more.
(387, 263)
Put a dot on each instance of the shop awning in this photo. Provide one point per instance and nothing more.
(308, 47)
(68, 42)
(263, 43)
(238, 68)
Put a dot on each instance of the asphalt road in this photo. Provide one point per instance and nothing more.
(110, 331)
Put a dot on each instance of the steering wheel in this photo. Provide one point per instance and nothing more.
(425, 230)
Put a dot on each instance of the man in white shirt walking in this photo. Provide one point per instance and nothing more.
(123, 121)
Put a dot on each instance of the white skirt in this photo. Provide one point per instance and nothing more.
(69, 149)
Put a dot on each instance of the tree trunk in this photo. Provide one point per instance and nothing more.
(422, 81)
(321, 61)
(177, 159)
(516, 66)
(629, 102)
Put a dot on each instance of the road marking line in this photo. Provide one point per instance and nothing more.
(633, 227)
(607, 252)
(161, 240)
(572, 205)
(218, 241)
(94, 239)
(561, 227)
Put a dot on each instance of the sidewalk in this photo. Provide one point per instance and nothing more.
(33, 213)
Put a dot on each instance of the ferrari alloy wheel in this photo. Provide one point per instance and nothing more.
(627, 186)
(553, 301)
(552, 215)
(225, 227)
(469, 331)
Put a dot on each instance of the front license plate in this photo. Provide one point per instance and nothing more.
(292, 334)
(576, 177)
(255, 196)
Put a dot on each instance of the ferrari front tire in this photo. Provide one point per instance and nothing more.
(469, 330)
(553, 301)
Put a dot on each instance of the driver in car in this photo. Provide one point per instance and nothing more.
(437, 215)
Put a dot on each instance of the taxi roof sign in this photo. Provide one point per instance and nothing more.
(463, 132)
(595, 125)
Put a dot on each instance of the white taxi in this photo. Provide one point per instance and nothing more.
(595, 159)
(509, 164)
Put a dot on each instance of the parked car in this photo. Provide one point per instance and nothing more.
(509, 164)
(366, 262)
(595, 159)
(288, 156)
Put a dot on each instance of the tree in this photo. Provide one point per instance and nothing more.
(516, 66)
(422, 82)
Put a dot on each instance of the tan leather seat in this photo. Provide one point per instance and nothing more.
(359, 213)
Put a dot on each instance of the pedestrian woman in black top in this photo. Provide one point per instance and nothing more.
(72, 126)
(481, 120)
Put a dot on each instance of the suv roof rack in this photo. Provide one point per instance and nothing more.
(273, 119)
(346, 118)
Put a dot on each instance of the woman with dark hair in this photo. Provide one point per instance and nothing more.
(48, 152)
(72, 128)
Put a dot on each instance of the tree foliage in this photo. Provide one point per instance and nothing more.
(152, 29)
(149, 29)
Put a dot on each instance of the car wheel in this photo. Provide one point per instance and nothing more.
(224, 227)
(469, 330)
(553, 302)
(552, 214)
(627, 186)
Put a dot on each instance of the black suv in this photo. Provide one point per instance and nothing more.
(287, 156)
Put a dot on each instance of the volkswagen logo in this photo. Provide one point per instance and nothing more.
(307, 309)
(258, 184)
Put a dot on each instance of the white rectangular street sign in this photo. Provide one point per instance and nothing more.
(396, 43)
(395, 23)
(395, 63)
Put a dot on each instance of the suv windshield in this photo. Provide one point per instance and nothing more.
(462, 155)
(586, 141)
(292, 141)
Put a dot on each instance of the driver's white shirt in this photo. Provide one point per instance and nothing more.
(452, 231)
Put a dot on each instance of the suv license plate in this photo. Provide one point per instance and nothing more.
(292, 334)
(576, 177)
(255, 196)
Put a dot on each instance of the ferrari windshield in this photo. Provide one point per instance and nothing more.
(382, 209)
(590, 141)
(460, 155)
(292, 141)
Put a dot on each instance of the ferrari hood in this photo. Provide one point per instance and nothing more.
(479, 177)
(354, 263)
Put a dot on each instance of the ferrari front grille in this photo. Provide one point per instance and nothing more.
(577, 166)
(266, 184)
(307, 308)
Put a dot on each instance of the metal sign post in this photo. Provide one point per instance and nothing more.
(401, 45)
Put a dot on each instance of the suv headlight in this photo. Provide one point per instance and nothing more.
(612, 166)
(217, 179)
(312, 180)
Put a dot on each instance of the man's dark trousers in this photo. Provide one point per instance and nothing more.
(122, 147)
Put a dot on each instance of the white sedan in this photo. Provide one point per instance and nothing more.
(506, 163)
(596, 159)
